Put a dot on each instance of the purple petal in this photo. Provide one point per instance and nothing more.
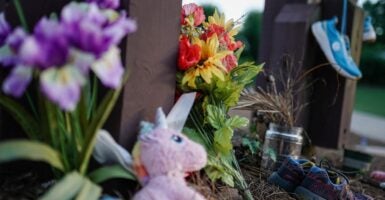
(109, 69)
(120, 28)
(84, 27)
(17, 81)
(113, 4)
(82, 60)
(5, 29)
(62, 86)
(48, 46)
(16, 39)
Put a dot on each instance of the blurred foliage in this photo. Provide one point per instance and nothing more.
(377, 12)
(209, 9)
(250, 36)
(373, 55)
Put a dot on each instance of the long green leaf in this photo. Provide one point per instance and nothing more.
(29, 150)
(89, 191)
(67, 188)
(98, 120)
(22, 116)
(109, 172)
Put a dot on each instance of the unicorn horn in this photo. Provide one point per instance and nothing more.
(160, 119)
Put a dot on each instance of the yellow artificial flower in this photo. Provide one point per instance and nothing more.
(219, 19)
(211, 61)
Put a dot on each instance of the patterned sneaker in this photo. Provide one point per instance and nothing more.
(335, 48)
(290, 174)
(369, 35)
(317, 185)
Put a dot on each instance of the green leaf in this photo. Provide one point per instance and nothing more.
(97, 121)
(245, 73)
(272, 154)
(30, 150)
(228, 92)
(89, 191)
(227, 179)
(215, 170)
(21, 116)
(215, 116)
(237, 122)
(67, 188)
(239, 52)
(109, 172)
(222, 140)
(253, 145)
(194, 136)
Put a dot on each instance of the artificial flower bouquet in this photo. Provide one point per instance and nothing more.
(58, 68)
(208, 64)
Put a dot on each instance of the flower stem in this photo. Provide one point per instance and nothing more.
(20, 13)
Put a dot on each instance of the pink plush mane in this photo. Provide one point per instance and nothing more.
(167, 156)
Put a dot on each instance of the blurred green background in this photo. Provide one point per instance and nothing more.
(370, 95)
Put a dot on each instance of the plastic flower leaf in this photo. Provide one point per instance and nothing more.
(109, 69)
(17, 81)
(109, 4)
(62, 86)
(5, 29)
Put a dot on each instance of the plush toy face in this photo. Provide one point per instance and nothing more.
(164, 150)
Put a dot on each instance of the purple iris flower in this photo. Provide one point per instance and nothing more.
(84, 27)
(62, 86)
(8, 56)
(17, 81)
(90, 29)
(112, 4)
(5, 29)
(47, 47)
(85, 38)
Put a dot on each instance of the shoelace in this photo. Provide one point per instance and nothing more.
(334, 173)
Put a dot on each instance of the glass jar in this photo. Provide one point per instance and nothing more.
(284, 141)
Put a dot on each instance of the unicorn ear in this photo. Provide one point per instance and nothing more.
(160, 119)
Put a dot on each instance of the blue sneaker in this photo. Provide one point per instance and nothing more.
(369, 35)
(290, 174)
(317, 185)
(335, 49)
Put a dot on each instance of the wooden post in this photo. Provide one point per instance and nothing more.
(286, 31)
(151, 58)
(333, 99)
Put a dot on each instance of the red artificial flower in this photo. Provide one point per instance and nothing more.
(232, 46)
(211, 30)
(230, 61)
(194, 10)
(189, 55)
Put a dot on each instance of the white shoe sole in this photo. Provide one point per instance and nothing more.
(324, 43)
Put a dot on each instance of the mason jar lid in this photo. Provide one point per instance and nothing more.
(285, 129)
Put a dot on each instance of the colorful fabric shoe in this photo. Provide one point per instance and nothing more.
(369, 35)
(290, 174)
(335, 49)
(317, 185)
